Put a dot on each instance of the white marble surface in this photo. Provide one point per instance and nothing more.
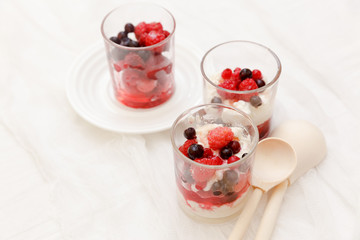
(62, 178)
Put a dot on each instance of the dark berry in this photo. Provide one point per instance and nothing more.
(226, 152)
(243, 155)
(235, 146)
(134, 43)
(230, 177)
(190, 133)
(125, 42)
(255, 101)
(216, 100)
(260, 83)
(195, 151)
(122, 35)
(115, 40)
(216, 188)
(129, 28)
(256, 74)
(245, 73)
(186, 177)
(227, 189)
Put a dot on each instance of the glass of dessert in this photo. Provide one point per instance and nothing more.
(244, 75)
(139, 44)
(214, 146)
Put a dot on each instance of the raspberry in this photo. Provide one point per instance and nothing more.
(256, 74)
(219, 137)
(227, 84)
(154, 26)
(245, 85)
(153, 38)
(133, 60)
(166, 33)
(248, 84)
(233, 159)
(202, 174)
(186, 145)
(226, 74)
(140, 29)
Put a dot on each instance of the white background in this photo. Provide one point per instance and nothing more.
(62, 178)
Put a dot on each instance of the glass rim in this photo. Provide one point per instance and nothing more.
(167, 39)
(261, 89)
(222, 166)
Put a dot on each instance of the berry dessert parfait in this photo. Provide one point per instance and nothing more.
(139, 43)
(214, 147)
(244, 75)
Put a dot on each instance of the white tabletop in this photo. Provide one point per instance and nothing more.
(63, 178)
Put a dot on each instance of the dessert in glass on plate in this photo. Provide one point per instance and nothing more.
(214, 148)
(244, 75)
(139, 43)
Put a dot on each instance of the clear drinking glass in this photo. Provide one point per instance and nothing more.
(257, 103)
(213, 193)
(142, 77)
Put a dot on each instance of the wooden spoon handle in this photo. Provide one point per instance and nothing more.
(271, 212)
(246, 215)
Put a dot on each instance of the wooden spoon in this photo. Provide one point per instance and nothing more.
(275, 160)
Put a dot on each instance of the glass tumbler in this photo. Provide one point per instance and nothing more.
(249, 83)
(141, 59)
(213, 184)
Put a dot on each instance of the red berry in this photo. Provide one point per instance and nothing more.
(219, 137)
(233, 159)
(166, 33)
(208, 153)
(153, 38)
(154, 26)
(202, 174)
(119, 65)
(248, 84)
(186, 145)
(256, 74)
(133, 60)
(236, 74)
(140, 29)
(228, 84)
(226, 74)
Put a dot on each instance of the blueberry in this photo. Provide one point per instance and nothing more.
(125, 42)
(187, 177)
(134, 43)
(129, 28)
(190, 133)
(115, 40)
(122, 35)
(226, 152)
(216, 188)
(243, 155)
(245, 73)
(216, 100)
(195, 151)
(227, 189)
(255, 101)
(260, 83)
(235, 146)
(230, 177)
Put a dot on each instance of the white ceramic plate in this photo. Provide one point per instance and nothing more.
(91, 95)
